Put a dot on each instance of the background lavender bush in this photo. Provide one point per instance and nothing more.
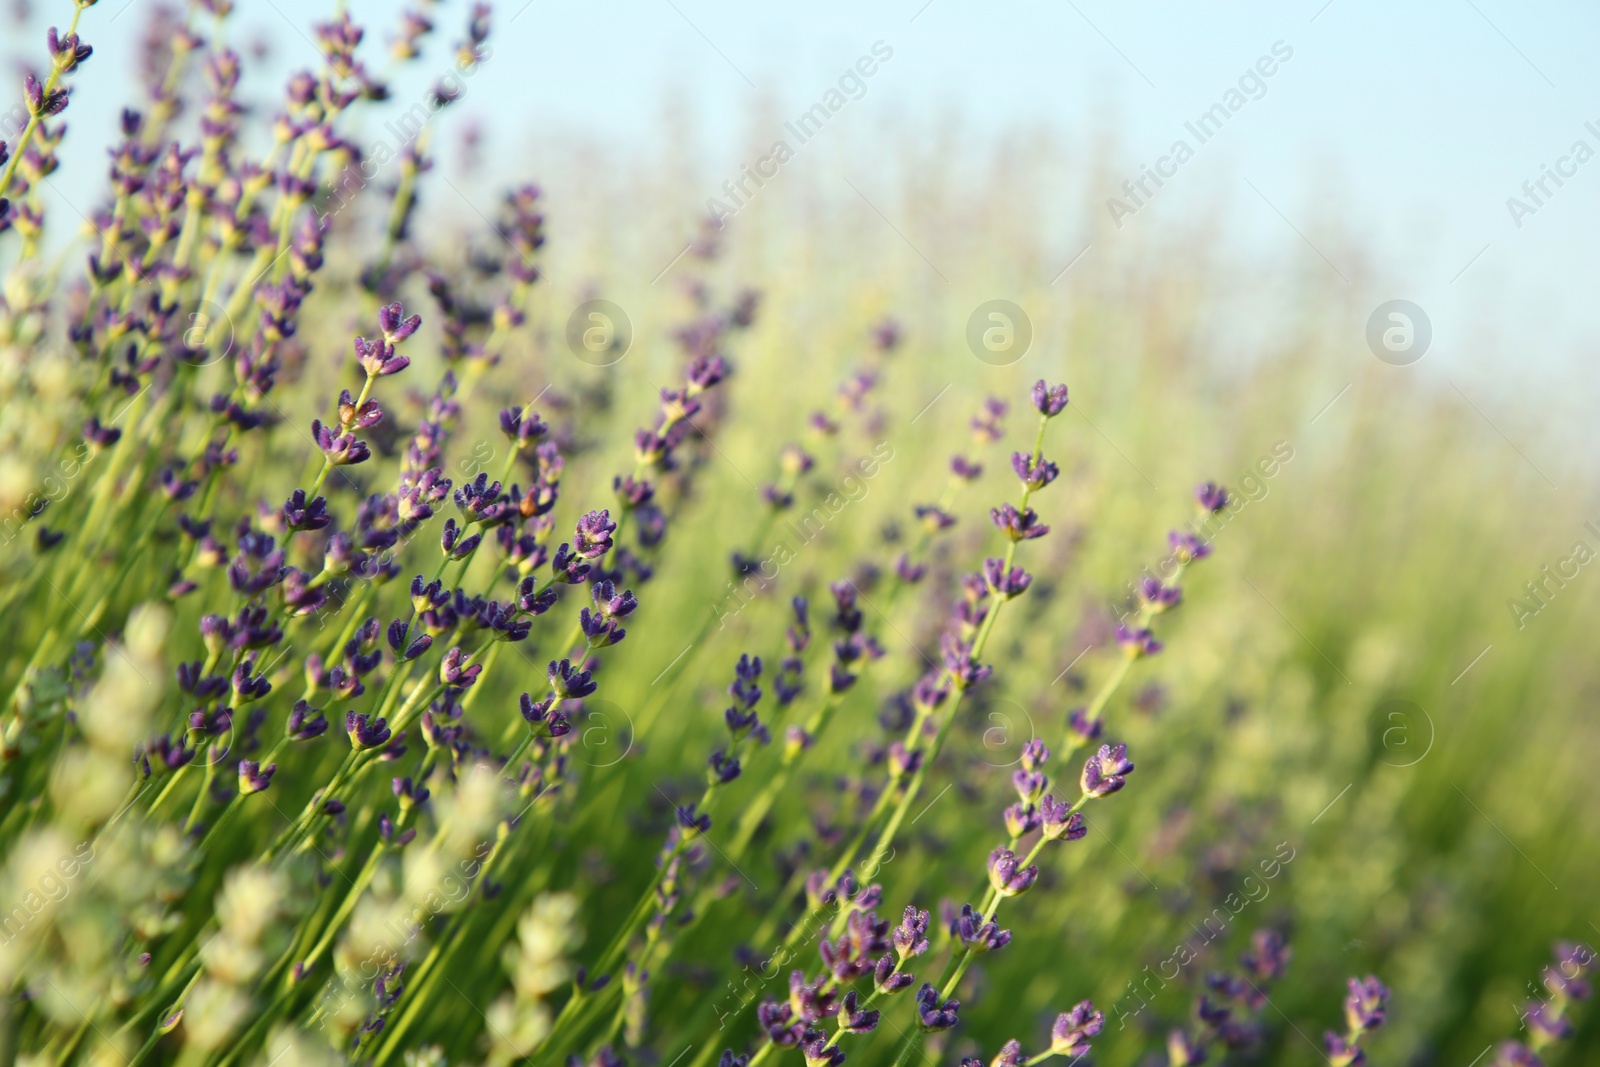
(425, 645)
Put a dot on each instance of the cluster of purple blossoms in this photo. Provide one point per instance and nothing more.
(1227, 1011)
(1070, 1036)
(866, 948)
(1547, 1020)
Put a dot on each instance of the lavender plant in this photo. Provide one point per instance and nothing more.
(279, 460)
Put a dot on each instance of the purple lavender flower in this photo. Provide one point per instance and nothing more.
(963, 670)
(986, 425)
(965, 469)
(254, 778)
(779, 1023)
(523, 427)
(305, 722)
(1138, 642)
(1059, 822)
(933, 1015)
(593, 534)
(544, 717)
(721, 768)
(454, 671)
(887, 978)
(1049, 400)
(1003, 583)
(1515, 1054)
(1210, 497)
(338, 448)
(1182, 1051)
(569, 681)
(40, 103)
(1070, 1034)
(568, 567)
(398, 634)
(1080, 727)
(482, 501)
(1021, 819)
(1017, 526)
(354, 416)
(1565, 978)
(1545, 1024)
(1364, 1006)
(599, 631)
(911, 936)
(301, 514)
(454, 544)
(933, 519)
(903, 761)
(1187, 547)
(66, 51)
(1008, 876)
(366, 732)
(1158, 598)
(1268, 956)
(1034, 474)
(978, 933)
(819, 1053)
(1342, 1053)
(853, 1019)
(1105, 772)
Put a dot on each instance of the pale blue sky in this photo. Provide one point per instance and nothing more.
(1420, 119)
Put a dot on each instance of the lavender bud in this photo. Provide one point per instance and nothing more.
(1364, 1006)
(568, 681)
(305, 722)
(965, 469)
(1059, 822)
(1003, 583)
(1158, 598)
(887, 979)
(1183, 1052)
(933, 1015)
(254, 778)
(1187, 547)
(1070, 1034)
(365, 732)
(1049, 400)
(1105, 772)
(1138, 642)
(819, 1053)
(1017, 526)
(1268, 955)
(1007, 875)
(593, 534)
(395, 325)
(1034, 474)
(1211, 498)
(1021, 819)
